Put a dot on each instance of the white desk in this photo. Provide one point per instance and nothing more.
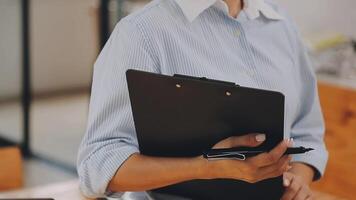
(59, 191)
(69, 191)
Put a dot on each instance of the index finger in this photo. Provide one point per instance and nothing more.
(271, 157)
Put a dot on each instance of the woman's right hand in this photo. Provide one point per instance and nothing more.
(254, 169)
(157, 172)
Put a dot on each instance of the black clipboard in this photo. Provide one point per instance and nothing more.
(183, 116)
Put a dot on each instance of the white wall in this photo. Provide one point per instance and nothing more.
(64, 45)
(323, 17)
(10, 48)
(10, 69)
(64, 41)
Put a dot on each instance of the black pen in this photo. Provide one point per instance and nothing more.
(218, 154)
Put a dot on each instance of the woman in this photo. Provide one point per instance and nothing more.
(253, 43)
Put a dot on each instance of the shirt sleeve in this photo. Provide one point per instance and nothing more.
(110, 135)
(308, 128)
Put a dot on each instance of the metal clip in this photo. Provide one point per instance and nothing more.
(228, 155)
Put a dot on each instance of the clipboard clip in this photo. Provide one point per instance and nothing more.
(205, 79)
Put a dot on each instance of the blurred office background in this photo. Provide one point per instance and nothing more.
(47, 51)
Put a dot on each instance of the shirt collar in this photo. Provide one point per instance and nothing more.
(193, 8)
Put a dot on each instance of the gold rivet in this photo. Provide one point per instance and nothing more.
(228, 93)
(178, 86)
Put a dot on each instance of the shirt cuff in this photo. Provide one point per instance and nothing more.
(114, 163)
(317, 159)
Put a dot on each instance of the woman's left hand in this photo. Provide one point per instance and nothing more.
(296, 187)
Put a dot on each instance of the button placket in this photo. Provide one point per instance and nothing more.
(249, 69)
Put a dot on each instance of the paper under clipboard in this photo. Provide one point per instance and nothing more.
(180, 116)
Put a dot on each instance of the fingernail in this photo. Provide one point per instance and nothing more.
(260, 137)
(291, 141)
(286, 182)
(286, 142)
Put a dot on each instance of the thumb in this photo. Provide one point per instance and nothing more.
(287, 178)
(250, 140)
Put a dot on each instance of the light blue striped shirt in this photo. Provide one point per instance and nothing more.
(261, 48)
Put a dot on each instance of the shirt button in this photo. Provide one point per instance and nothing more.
(250, 73)
(237, 33)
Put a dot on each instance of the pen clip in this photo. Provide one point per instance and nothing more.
(227, 155)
